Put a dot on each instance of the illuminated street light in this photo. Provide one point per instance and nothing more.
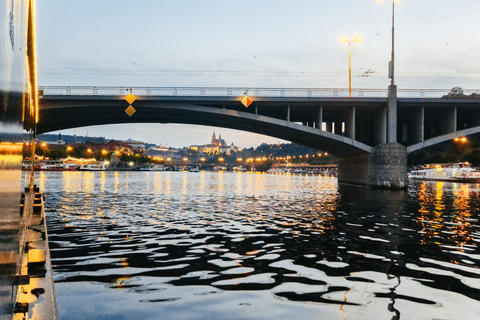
(345, 39)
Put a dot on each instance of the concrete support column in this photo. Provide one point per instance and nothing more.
(318, 123)
(418, 125)
(385, 168)
(392, 114)
(350, 123)
(380, 127)
(451, 124)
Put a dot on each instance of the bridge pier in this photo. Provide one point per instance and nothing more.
(384, 168)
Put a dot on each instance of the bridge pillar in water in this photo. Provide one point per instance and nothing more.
(384, 168)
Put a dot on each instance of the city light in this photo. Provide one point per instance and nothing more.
(345, 39)
(461, 139)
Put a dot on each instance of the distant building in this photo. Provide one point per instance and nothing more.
(120, 146)
(95, 140)
(216, 146)
(111, 146)
(162, 149)
(137, 146)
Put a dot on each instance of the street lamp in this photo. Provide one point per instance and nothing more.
(345, 39)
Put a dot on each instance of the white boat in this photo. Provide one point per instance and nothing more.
(453, 172)
(153, 167)
(239, 169)
(280, 170)
(49, 165)
(92, 166)
(195, 169)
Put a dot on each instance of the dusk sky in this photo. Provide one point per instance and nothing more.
(251, 43)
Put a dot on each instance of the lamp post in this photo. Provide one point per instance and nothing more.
(345, 39)
(392, 89)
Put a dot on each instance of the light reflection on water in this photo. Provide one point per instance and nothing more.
(174, 245)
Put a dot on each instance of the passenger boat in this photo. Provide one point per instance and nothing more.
(452, 172)
(92, 167)
(194, 169)
(51, 165)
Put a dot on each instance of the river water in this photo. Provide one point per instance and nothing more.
(180, 245)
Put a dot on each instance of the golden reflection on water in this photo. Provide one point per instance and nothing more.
(127, 179)
(202, 183)
(89, 179)
(450, 223)
(185, 184)
(439, 206)
(220, 181)
(240, 179)
(461, 214)
(158, 183)
(102, 181)
(115, 186)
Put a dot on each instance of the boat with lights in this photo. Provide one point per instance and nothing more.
(451, 172)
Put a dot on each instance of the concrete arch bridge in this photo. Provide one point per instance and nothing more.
(371, 132)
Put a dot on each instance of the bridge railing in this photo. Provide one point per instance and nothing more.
(236, 91)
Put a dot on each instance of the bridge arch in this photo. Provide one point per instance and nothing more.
(55, 116)
(443, 138)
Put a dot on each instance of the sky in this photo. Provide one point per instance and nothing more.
(251, 43)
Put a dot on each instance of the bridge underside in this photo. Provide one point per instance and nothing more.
(55, 117)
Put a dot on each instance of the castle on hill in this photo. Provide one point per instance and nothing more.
(216, 146)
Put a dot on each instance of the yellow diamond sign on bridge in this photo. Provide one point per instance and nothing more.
(130, 111)
(246, 101)
(130, 98)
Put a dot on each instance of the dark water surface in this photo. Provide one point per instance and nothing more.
(174, 245)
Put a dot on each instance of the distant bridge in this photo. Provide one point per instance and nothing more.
(325, 119)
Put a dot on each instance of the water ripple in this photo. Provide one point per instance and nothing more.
(217, 243)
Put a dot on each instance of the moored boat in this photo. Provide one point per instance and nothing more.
(49, 165)
(452, 172)
(153, 167)
(92, 166)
